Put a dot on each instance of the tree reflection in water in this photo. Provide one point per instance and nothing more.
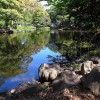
(75, 44)
(16, 50)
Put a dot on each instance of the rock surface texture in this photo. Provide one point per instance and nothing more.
(48, 72)
(66, 78)
(86, 67)
(92, 81)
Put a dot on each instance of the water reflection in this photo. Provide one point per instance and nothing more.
(75, 44)
(22, 53)
(16, 51)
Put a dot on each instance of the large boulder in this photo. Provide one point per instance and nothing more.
(66, 78)
(92, 81)
(86, 67)
(48, 72)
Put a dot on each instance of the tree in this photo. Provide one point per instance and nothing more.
(85, 12)
(10, 11)
(28, 10)
(13, 12)
(81, 13)
(40, 16)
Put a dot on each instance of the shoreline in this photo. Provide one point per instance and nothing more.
(47, 91)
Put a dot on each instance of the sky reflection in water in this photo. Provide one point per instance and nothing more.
(32, 73)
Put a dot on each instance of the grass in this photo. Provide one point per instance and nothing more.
(25, 28)
(28, 28)
(85, 45)
(76, 66)
(95, 53)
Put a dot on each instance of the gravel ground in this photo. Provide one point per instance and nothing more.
(72, 93)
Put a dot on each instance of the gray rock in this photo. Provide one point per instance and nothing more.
(65, 79)
(53, 74)
(95, 60)
(92, 81)
(86, 67)
(2, 98)
(48, 72)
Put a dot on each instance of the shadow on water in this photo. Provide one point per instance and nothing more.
(75, 44)
(22, 53)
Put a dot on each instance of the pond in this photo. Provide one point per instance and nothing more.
(21, 54)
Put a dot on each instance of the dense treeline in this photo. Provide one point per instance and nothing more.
(76, 13)
(15, 12)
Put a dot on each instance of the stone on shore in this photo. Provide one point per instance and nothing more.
(48, 72)
(66, 78)
(95, 60)
(86, 67)
(92, 81)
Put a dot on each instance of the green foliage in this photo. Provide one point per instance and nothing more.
(95, 53)
(40, 16)
(81, 13)
(13, 12)
(1, 24)
(25, 28)
(10, 11)
(16, 49)
(74, 44)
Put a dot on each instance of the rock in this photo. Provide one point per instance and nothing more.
(45, 75)
(53, 74)
(92, 81)
(48, 72)
(86, 67)
(6, 31)
(65, 79)
(12, 91)
(2, 98)
(46, 84)
(96, 60)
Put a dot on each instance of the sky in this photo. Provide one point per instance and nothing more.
(44, 4)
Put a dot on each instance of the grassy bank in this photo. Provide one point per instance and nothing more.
(24, 28)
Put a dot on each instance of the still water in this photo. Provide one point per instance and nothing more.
(32, 69)
(21, 54)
